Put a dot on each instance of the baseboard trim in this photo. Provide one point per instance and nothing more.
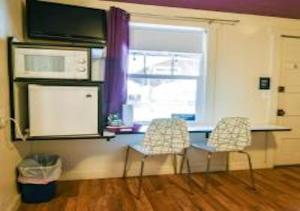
(134, 171)
(236, 166)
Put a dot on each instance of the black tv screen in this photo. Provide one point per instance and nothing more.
(65, 22)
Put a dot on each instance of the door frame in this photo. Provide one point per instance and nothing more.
(275, 70)
(275, 66)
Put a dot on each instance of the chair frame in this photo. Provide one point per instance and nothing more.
(208, 165)
(145, 156)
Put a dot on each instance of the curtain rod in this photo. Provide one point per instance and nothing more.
(291, 36)
(186, 18)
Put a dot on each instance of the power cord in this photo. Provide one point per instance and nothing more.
(24, 137)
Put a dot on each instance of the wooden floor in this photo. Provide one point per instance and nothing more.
(277, 189)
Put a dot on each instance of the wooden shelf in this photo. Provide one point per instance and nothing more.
(59, 44)
(58, 81)
(106, 135)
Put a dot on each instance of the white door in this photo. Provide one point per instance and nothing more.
(63, 110)
(288, 144)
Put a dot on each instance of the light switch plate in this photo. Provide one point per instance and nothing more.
(264, 83)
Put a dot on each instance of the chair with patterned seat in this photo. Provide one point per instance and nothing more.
(232, 134)
(163, 137)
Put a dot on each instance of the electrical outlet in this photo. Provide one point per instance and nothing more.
(2, 122)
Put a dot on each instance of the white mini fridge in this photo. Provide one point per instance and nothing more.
(63, 110)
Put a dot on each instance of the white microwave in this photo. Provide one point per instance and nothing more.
(51, 63)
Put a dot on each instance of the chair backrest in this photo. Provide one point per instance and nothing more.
(166, 136)
(231, 134)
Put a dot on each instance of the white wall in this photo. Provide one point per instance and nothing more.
(239, 55)
(89, 159)
(10, 153)
(243, 56)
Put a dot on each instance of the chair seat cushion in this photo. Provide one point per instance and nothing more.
(203, 145)
(148, 151)
(139, 148)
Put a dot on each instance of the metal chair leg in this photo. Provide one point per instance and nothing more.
(185, 158)
(189, 174)
(227, 161)
(141, 175)
(182, 161)
(250, 169)
(126, 161)
(209, 155)
(188, 165)
(175, 163)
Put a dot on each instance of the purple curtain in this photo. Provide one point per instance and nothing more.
(115, 85)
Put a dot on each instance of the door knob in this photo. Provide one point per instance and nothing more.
(280, 112)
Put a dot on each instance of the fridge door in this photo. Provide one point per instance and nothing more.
(63, 110)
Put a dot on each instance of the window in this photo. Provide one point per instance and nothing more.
(163, 83)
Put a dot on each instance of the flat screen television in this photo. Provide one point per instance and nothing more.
(65, 22)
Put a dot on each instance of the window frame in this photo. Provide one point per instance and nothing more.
(201, 79)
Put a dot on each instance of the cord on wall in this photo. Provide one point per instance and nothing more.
(4, 122)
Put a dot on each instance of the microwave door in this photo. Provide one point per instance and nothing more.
(44, 64)
(38, 63)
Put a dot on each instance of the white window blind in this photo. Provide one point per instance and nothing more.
(171, 39)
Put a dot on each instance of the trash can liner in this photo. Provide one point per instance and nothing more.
(41, 166)
(28, 180)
